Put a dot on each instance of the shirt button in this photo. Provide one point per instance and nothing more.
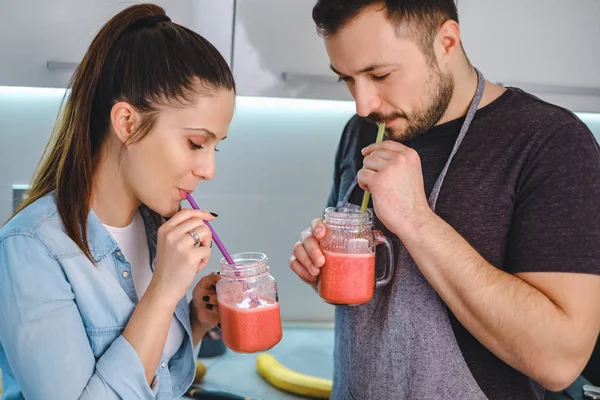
(119, 254)
(163, 364)
(125, 274)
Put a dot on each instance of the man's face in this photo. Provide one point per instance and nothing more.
(388, 75)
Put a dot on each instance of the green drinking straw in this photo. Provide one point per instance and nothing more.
(365, 202)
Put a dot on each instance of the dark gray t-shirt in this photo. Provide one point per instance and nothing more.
(523, 190)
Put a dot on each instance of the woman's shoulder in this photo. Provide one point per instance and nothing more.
(39, 221)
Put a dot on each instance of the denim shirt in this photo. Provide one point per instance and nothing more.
(62, 316)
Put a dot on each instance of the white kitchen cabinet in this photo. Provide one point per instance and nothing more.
(36, 32)
(213, 19)
(548, 47)
(277, 51)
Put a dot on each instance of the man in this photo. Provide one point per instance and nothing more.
(496, 289)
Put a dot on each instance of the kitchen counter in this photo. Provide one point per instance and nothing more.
(303, 349)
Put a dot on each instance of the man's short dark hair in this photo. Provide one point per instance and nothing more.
(418, 19)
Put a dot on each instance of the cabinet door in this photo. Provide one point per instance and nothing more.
(548, 47)
(42, 41)
(214, 20)
(278, 53)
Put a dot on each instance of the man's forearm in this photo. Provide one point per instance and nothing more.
(511, 318)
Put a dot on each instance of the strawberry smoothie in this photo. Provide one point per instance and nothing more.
(347, 278)
(251, 327)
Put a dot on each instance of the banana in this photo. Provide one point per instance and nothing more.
(291, 381)
(200, 371)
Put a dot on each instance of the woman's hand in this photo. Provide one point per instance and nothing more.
(183, 250)
(205, 301)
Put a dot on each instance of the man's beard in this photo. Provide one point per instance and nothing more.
(439, 88)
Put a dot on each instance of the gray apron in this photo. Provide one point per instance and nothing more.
(401, 344)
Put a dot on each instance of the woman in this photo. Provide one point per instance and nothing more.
(92, 278)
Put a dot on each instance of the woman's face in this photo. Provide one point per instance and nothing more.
(178, 152)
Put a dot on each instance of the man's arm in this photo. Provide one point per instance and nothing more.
(543, 324)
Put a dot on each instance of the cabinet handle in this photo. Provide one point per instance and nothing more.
(291, 77)
(54, 65)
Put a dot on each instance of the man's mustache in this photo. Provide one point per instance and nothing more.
(379, 118)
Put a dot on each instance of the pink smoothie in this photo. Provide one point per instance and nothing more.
(347, 278)
(248, 330)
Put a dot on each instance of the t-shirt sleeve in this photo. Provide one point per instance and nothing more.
(335, 187)
(556, 226)
(334, 195)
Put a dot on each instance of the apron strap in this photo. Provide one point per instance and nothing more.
(463, 131)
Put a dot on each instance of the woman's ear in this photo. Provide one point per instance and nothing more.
(125, 120)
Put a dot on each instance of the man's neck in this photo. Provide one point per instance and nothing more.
(465, 86)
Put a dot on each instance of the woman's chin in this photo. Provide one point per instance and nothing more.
(172, 210)
(165, 210)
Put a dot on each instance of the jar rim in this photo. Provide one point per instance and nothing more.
(245, 261)
(348, 215)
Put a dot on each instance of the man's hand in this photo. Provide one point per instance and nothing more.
(392, 173)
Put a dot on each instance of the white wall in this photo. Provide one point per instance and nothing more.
(592, 120)
(27, 116)
(273, 175)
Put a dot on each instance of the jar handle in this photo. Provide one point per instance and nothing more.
(381, 239)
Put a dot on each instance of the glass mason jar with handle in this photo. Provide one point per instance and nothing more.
(348, 276)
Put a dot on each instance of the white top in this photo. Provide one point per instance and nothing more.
(133, 244)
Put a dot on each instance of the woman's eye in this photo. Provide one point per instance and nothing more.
(195, 146)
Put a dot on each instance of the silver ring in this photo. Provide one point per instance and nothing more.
(195, 237)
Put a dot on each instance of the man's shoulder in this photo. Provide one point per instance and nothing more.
(524, 111)
(524, 125)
